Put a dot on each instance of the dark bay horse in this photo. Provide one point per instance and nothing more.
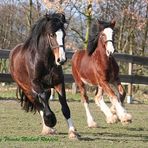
(96, 66)
(36, 67)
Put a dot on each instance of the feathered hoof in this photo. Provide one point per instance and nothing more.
(112, 119)
(93, 125)
(73, 135)
(48, 132)
(126, 119)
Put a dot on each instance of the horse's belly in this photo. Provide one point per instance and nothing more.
(87, 81)
(83, 68)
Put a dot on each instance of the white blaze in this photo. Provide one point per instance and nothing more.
(109, 37)
(59, 35)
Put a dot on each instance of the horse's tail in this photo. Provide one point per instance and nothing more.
(26, 104)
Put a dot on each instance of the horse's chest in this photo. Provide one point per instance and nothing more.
(54, 77)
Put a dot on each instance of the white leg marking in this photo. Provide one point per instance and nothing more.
(122, 113)
(70, 125)
(46, 130)
(110, 118)
(119, 109)
(90, 120)
(104, 108)
(72, 132)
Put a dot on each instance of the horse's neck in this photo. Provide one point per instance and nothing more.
(100, 52)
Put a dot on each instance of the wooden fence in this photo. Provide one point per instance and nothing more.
(129, 78)
(134, 79)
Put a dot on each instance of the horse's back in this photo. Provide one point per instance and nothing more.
(13, 52)
(17, 65)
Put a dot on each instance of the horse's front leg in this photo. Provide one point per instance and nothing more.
(65, 110)
(110, 117)
(48, 117)
(84, 98)
(120, 110)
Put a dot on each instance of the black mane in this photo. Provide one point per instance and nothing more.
(93, 37)
(95, 29)
(49, 23)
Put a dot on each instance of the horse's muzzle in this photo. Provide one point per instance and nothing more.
(61, 62)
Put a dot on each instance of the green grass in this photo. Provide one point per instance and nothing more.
(21, 129)
(7, 91)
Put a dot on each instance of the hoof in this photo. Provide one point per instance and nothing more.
(73, 135)
(93, 125)
(49, 131)
(126, 119)
(112, 119)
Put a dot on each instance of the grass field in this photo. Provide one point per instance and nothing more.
(21, 129)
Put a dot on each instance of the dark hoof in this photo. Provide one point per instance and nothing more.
(50, 120)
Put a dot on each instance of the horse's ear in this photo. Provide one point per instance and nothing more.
(113, 22)
(100, 22)
(100, 25)
(47, 16)
(62, 17)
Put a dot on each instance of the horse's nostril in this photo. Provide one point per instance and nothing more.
(58, 60)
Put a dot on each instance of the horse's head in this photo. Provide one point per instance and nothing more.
(56, 35)
(106, 36)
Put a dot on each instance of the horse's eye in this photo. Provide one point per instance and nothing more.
(103, 36)
(51, 35)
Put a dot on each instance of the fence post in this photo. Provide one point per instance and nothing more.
(129, 97)
(74, 88)
(130, 70)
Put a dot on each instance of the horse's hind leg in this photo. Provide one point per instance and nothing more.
(90, 121)
(39, 107)
(65, 110)
(84, 98)
(121, 94)
(121, 112)
(110, 117)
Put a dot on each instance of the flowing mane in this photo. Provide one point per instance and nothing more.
(48, 23)
(93, 37)
(94, 32)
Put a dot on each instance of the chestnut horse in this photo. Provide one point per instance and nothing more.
(36, 67)
(96, 66)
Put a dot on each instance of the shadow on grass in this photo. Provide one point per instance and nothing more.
(87, 136)
(113, 137)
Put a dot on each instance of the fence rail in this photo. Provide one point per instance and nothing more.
(134, 79)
